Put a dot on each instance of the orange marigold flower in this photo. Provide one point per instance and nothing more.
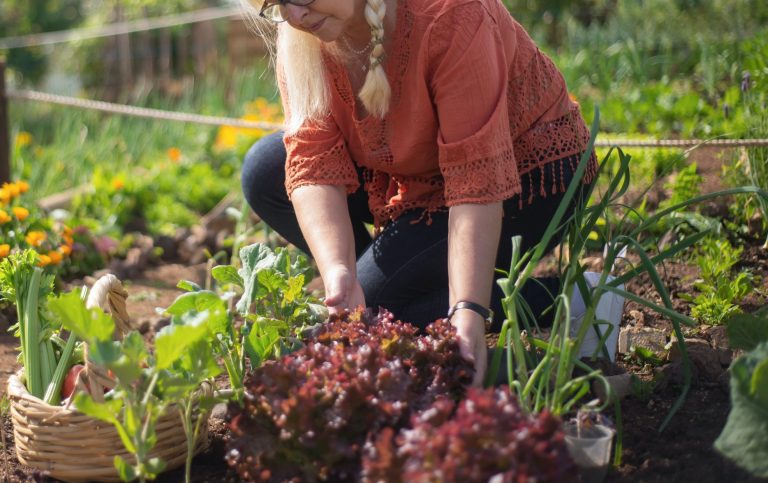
(4, 218)
(65, 250)
(13, 189)
(66, 230)
(174, 154)
(43, 260)
(55, 257)
(23, 186)
(36, 238)
(68, 240)
(5, 196)
(20, 213)
(5, 249)
(118, 184)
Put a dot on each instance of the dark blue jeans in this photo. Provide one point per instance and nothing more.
(405, 268)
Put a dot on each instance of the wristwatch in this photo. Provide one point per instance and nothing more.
(484, 312)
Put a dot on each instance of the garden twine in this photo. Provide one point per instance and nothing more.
(126, 110)
(71, 446)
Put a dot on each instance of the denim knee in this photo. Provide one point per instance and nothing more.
(263, 173)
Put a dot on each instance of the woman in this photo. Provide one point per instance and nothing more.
(439, 122)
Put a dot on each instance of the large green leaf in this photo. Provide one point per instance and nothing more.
(173, 340)
(255, 258)
(262, 342)
(226, 274)
(746, 331)
(744, 438)
(195, 301)
(88, 324)
(205, 300)
(107, 411)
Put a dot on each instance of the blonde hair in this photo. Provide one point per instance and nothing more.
(300, 56)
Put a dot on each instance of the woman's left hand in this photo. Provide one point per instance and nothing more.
(470, 329)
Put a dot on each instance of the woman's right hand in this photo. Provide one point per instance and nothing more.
(342, 290)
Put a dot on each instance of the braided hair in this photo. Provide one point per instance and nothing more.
(376, 92)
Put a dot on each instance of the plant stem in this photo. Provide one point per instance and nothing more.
(52, 394)
(32, 328)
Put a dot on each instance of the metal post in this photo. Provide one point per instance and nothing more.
(5, 143)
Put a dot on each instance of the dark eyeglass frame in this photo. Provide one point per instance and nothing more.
(278, 18)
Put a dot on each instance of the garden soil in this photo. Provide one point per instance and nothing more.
(682, 452)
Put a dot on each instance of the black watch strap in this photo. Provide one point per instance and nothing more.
(484, 312)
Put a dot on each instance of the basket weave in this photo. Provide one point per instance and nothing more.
(73, 447)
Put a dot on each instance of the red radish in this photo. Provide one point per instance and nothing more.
(70, 380)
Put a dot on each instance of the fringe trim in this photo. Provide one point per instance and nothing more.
(553, 174)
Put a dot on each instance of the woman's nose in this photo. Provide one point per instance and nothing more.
(294, 14)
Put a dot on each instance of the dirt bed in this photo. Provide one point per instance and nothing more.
(683, 452)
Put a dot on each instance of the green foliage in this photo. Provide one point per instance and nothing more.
(22, 17)
(744, 438)
(719, 290)
(715, 258)
(23, 284)
(746, 331)
(685, 185)
(147, 383)
(153, 200)
(273, 308)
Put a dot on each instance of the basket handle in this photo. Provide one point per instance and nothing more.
(109, 295)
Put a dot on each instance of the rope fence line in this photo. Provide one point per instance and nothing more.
(143, 112)
(119, 28)
(159, 114)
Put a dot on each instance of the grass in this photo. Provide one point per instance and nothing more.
(59, 148)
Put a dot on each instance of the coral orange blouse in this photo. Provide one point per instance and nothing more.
(475, 105)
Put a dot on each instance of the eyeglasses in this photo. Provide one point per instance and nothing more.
(273, 11)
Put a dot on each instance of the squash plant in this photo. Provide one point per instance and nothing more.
(273, 307)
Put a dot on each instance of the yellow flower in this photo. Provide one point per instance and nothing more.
(13, 189)
(226, 138)
(36, 238)
(55, 257)
(65, 250)
(4, 218)
(43, 260)
(20, 213)
(174, 154)
(23, 186)
(5, 196)
(23, 139)
(5, 249)
(118, 184)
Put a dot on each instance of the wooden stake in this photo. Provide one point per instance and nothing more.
(5, 138)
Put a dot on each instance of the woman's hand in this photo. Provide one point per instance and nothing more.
(470, 329)
(342, 290)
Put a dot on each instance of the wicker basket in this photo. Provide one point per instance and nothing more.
(73, 447)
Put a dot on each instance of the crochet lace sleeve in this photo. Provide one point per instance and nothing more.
(468, 77)
(317, 154)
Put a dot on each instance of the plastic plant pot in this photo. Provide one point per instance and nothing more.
(590, 447)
